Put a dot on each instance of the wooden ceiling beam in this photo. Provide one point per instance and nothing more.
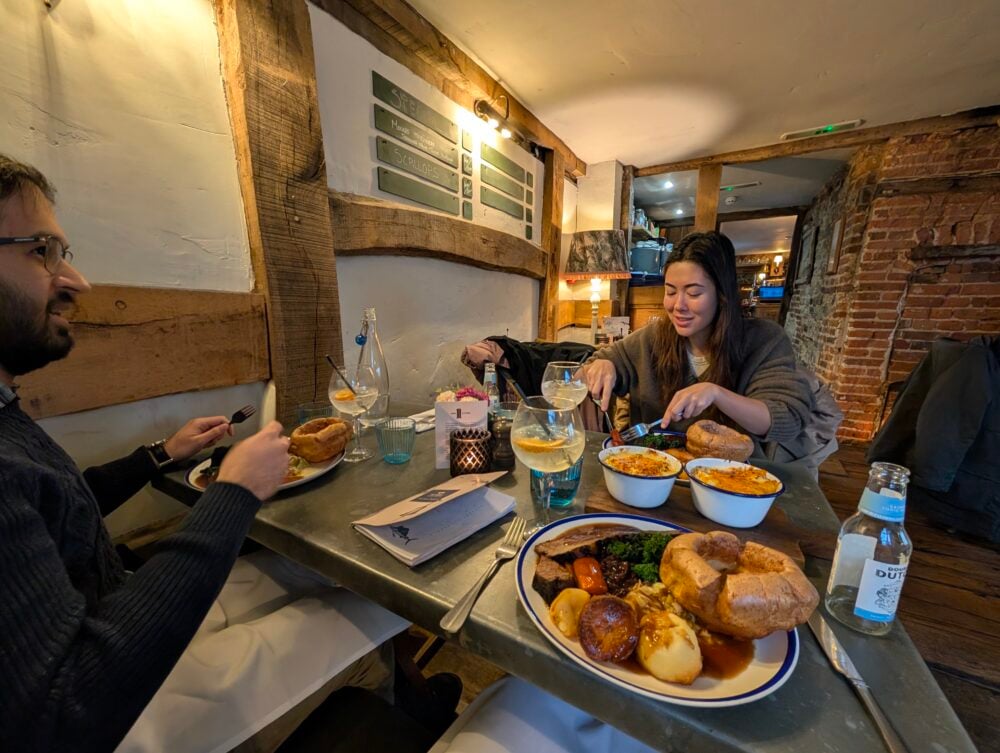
(397, 30)
(761, 214)
(983, 116)
(706, 204)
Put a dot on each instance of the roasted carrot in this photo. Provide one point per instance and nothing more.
(589, 577)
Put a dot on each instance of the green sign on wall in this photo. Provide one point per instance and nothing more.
(412, 134)
(409, 105)
(497, 179)
(496, 200)
(408, 188)
(411, 162)
(502, 161)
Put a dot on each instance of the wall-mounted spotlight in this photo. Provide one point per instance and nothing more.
(496, 114)
(493, 111)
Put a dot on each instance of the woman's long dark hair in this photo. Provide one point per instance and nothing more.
(714, 253)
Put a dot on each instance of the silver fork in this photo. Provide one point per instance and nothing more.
(242, 414)
(452, 622)
(638, 431)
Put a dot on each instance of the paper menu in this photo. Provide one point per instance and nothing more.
(451, 416)
(424, 525)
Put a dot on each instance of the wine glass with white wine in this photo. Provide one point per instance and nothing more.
(548, 437)
(352, 393)
(561, 380)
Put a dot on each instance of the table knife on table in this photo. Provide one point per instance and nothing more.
(838, 657)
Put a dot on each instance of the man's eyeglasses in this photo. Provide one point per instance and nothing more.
(51, 250)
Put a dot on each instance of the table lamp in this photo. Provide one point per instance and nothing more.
(597, 255)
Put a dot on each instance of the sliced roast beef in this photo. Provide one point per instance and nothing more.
(551, 578)
(581, 541)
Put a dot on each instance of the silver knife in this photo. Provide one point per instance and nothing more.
(842, 663)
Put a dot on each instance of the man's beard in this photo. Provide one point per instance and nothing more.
(27, 341)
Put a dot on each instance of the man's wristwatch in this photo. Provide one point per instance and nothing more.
(158, 452)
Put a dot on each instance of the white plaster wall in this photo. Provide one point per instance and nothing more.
(344, 62)
(120, 103)
(598, 203)
(428, 310)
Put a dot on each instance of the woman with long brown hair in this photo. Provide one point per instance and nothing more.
(703, 360)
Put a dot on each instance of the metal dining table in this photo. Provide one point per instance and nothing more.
(815, 710)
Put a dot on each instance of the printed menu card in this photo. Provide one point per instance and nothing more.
(424, 525)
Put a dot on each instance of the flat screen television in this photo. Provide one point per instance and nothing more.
(771, 294)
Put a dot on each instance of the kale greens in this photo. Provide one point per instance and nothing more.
(642, 551)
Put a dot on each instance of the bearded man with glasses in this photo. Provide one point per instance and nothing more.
(85, 646)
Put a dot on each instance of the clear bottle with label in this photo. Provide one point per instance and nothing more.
(873, 551)
(371, 354)
(490, 385)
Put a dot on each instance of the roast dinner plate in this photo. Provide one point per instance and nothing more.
(774, 656)
(309, 473)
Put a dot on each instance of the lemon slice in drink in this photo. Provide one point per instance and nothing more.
(344, 394)
(537, 444)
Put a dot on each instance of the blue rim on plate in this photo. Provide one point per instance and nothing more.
(636, 475)
(771, 679)
(781, 489)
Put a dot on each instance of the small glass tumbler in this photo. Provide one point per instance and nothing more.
(395, 439)
(564, 486)
(471, 451)
(309, 411)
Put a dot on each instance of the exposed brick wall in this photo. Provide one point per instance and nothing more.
(869, 321)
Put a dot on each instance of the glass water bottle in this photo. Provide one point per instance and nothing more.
(372, 355)
(873, 551)
(490, 386)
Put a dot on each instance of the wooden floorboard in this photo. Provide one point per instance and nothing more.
(950, 604)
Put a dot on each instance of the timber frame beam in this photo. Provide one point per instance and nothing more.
(161, 341)
(365, 226)
(984, 116)
(269, 73)
(552, 217)
(397, 30)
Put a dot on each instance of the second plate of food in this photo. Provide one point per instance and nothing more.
(773, 657)
(299, 472)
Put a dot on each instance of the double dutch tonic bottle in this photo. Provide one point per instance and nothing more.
(873, 552)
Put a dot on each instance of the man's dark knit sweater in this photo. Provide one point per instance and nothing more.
(83, 645)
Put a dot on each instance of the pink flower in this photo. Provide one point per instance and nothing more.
(470, 392)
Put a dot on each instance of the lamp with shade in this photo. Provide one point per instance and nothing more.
(597, 255)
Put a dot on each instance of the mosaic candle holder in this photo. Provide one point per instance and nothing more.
(471, 451)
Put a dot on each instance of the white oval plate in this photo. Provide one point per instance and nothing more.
(774, 659)
(309, 473)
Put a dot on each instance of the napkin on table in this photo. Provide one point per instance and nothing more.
(424, 420)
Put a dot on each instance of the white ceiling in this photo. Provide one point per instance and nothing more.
(652, 81)
(784, 182)
(755, 236)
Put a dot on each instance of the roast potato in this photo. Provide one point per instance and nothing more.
(608, 629)
(565, 610)
(668, 648)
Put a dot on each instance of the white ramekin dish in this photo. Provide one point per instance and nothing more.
(729, 508)
(638, 491)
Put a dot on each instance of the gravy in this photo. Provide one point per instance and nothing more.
(724, 656)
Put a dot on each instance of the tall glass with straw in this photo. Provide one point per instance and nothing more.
(547, 436)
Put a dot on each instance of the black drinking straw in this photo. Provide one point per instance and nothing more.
(341, 374)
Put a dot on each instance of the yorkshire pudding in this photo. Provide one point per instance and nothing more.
(320, 439)
(744, 590)
(707, 439)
